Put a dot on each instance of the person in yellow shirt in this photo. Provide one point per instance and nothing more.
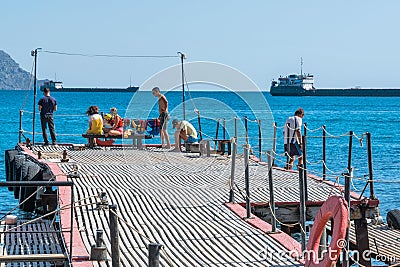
(95, 121)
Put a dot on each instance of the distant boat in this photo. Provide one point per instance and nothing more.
(57, 86)
(303, 85)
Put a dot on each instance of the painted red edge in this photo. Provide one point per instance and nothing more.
(284, 239)
(80, 255)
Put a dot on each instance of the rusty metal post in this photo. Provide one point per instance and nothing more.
(370, 170)
(347, 183)
(304, 142)
(114, 236)
(224, 128)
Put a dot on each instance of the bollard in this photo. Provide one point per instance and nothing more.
(65, 156)
(232, 181)
(98, 252)
(114, 236)
(154, 254)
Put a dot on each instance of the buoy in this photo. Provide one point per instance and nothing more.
(334, 207)
(393, 219)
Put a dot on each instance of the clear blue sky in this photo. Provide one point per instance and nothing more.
(343, 43)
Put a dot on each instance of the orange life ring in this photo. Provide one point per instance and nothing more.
(335, 207)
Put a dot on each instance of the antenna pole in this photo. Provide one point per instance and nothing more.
(183, 56)
(301, 66)
(34, 54)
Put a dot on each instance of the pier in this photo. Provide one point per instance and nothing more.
(178, 207)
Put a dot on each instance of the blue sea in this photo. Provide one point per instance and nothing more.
(379, 116)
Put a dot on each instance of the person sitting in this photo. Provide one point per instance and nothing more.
(184, 130)
(95, 121)
(117, 124)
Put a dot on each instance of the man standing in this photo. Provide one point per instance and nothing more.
(163, 111)
(184, 130)
(293, 138)
(47, 105)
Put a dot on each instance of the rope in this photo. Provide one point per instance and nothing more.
(106, 55)
(29, 86)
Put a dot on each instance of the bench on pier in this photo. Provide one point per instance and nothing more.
(137, 139)
(221, 144)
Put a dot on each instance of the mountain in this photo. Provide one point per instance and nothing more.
(12, 76)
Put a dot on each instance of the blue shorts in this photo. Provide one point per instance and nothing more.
(294, 149)
(191, 139)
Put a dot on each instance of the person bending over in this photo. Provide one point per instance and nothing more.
(184, 130)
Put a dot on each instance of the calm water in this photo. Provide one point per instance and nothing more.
(379, 116)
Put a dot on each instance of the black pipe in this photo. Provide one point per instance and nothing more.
(154, 254)
(21, 112)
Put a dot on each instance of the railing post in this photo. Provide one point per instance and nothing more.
(302, 208)
(287, 152)
(216, 133)
(246, 179)
(114, 236)
(236, 129)
(259, 140)
(224, 128)
(233, 166)
(21, 112)
(324, 152)
(154, 254)
(246, 129)
(304, 142)
(199, 121)
(274, 144)
(271, 191)
(347, 182)
(370, 170)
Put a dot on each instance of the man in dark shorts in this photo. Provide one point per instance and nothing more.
(163, 110)
(47, 105)
(293, 138)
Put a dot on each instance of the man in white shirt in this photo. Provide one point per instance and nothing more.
(293, 138)
(184, 130)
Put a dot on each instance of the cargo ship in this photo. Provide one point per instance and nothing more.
(57, 86)
(303, 85)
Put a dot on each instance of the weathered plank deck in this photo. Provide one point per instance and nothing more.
(178, 200)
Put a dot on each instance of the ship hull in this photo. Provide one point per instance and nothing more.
(298, 91)
(104, 90)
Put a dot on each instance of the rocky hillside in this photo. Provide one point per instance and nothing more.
(11, 74)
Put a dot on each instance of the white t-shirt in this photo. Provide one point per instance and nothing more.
(295, 123)
(189, 128)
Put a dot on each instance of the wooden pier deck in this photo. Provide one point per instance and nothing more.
(179, 200)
